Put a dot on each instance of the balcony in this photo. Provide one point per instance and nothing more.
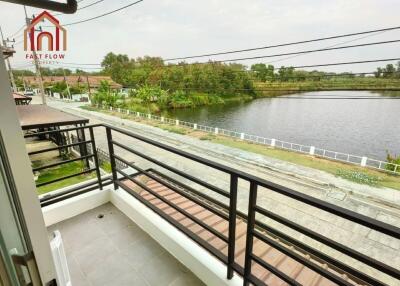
(104, 247)
(225, 226)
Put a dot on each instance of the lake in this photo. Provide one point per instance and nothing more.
(367, 127)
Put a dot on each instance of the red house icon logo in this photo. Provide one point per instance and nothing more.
(35, 41)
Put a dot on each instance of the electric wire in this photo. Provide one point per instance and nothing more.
(103, 15)
(83, 7)
(284, 44)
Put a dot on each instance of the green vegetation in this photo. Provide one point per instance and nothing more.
(358, 177)
(332, 167)
(58, 172)
(208, 137)
(156, 86)
(106, 166)
(394, 160)
(173, 129)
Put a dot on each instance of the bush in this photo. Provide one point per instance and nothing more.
(208, 137)
(393, 160)
(358, 177)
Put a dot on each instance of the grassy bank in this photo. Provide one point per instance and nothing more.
(268, 88)
(61, 171)
(346, 171)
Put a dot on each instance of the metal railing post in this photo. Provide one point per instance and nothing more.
(249, 236)
(95, 157)
(112, 158)
(232, 224)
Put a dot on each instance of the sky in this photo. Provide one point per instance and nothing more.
(175, 28)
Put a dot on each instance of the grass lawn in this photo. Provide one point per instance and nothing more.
(332, 167)
(379, 178)
(62, 171)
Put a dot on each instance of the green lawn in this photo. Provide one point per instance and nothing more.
(62, 171)
(332, 167)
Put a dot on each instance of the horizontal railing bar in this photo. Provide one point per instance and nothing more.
(185, 154)
(320, 255)
(66, 177)
(331, 208)
(214, 251)
(72, 194)
(177, 208)
(327, 274)
(254, 280)
(84, 185)
(274, 270)
(61, 163)
(61, 130)
(331, 243)
(59, 147)
(172, 169)
(191, 190)
(175, 189)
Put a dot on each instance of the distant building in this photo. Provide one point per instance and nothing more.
(93, 82)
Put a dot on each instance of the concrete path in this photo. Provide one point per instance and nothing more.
(382, 204)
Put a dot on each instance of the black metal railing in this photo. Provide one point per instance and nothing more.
(64, 143)
(325, 265)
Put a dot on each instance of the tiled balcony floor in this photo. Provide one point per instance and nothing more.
(114, 251)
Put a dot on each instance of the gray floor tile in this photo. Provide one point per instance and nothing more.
(93, 253)
(115, 251)
(77, 277)
(168, 270)
(186, 280)
(141, 252)
(109, 270)
(127, 236)
(132, 278)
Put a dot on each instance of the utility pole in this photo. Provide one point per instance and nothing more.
(89, 91)
(14, 87)
(23, 81)
(66, 81)
(37, 66)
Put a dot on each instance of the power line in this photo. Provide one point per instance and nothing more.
(19, 30)
(23, 26)
(102, 15)
(305, 52)
(83, 7)
(99, 16)
(330, 46)
(284, 45)
(339, 97)
(346, 63)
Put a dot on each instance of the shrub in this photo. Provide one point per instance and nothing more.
(358, 177)
(208, 137)
(393, 160)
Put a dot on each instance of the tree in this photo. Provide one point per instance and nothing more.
(378, 73)
(286, 73)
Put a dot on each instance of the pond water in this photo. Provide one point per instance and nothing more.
(333, 120)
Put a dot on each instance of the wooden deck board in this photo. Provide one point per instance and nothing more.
(269, 254)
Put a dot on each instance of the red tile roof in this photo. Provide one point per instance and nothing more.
(94, 81)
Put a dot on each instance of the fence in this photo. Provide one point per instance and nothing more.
(362, 161)
(103, 156)
(240, 230)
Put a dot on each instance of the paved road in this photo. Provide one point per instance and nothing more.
(311, 182)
